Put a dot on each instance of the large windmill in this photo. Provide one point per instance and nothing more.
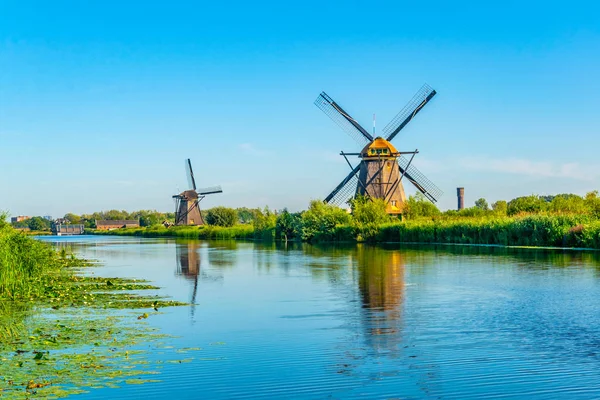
(187, 203)
(382, 168)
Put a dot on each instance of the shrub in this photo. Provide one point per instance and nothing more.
(367, 211)
(264, 224)
(288, 226)
(320, 220)
(221, 216)
(418, 206)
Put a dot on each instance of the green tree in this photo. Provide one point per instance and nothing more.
(592, 202)
(482, 204)
(418, 206)
(150, 219)
(264, 224)
(500, 207)
(526, 204)
(245, 215)
(368, 211)
(569, 203)
(113, 215)
(72, 218)
(320, 220)
(38, 224)
(21, 224)
(221, 216)
(288, 226)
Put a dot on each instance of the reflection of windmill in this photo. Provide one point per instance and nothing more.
(189, 265)
(381, 285)
(382, 167)
(187, 208)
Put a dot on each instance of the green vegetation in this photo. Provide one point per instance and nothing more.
(189, 232)
(60, 331)
(221, 216)
(35, 224)
(564, 220)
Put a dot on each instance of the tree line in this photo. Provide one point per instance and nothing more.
(321, 218)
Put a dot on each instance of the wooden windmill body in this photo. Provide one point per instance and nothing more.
(379, 175)
(382, 167)
(187, 203)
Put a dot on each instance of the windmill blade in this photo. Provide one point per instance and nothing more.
(209, 190)
(190, 174)
(409, 111)
(424, 185)
(345, 189)
(343, 119)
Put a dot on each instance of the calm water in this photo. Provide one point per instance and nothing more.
(368, 322)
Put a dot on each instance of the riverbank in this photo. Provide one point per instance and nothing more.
(62, 330)
(580, 231)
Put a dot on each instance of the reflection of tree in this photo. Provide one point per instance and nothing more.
(222, 253)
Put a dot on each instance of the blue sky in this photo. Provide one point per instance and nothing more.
(101, 103)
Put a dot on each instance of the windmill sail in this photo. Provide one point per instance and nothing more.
(345, 189)
(342, 118)
(209, 190)
(424, 185)
(190, 174)
(409, 111)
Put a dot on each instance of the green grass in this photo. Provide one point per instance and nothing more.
(62, 333)
(187, 232)
(537, 230)
(582, 231)
(23, 260)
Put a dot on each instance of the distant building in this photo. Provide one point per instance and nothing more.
(67, 229)
(47, 217)
(107, 225)
(460, 193)
(19, 218)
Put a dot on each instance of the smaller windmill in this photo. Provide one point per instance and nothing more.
(187, 203)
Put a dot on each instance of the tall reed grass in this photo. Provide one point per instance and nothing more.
(22, 261)
(188, 232)
(528, 230)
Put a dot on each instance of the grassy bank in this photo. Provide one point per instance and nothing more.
(63, 332)
(539, 230)
(187, 232)
(534, 230)
(23, 262)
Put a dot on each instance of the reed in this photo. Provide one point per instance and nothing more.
(23, 260)
(242, 231)
(559, 230)
(535, 230)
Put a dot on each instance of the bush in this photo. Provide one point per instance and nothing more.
(320, 220)
(367, 211)
(500, 207)
(264, 224)
(526, 204)
(221, 216)
(418, 206)
(288, 226)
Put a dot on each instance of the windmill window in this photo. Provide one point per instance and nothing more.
(385, 151)
(372, 151)
(393, 203)
(378, 151)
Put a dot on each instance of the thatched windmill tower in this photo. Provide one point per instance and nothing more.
(382, 168)
(187, 203)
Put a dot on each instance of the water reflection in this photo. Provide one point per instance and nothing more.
(360, 321)
(381, 286)
(188, 266)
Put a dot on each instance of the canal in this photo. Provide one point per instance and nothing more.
(302, 321)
